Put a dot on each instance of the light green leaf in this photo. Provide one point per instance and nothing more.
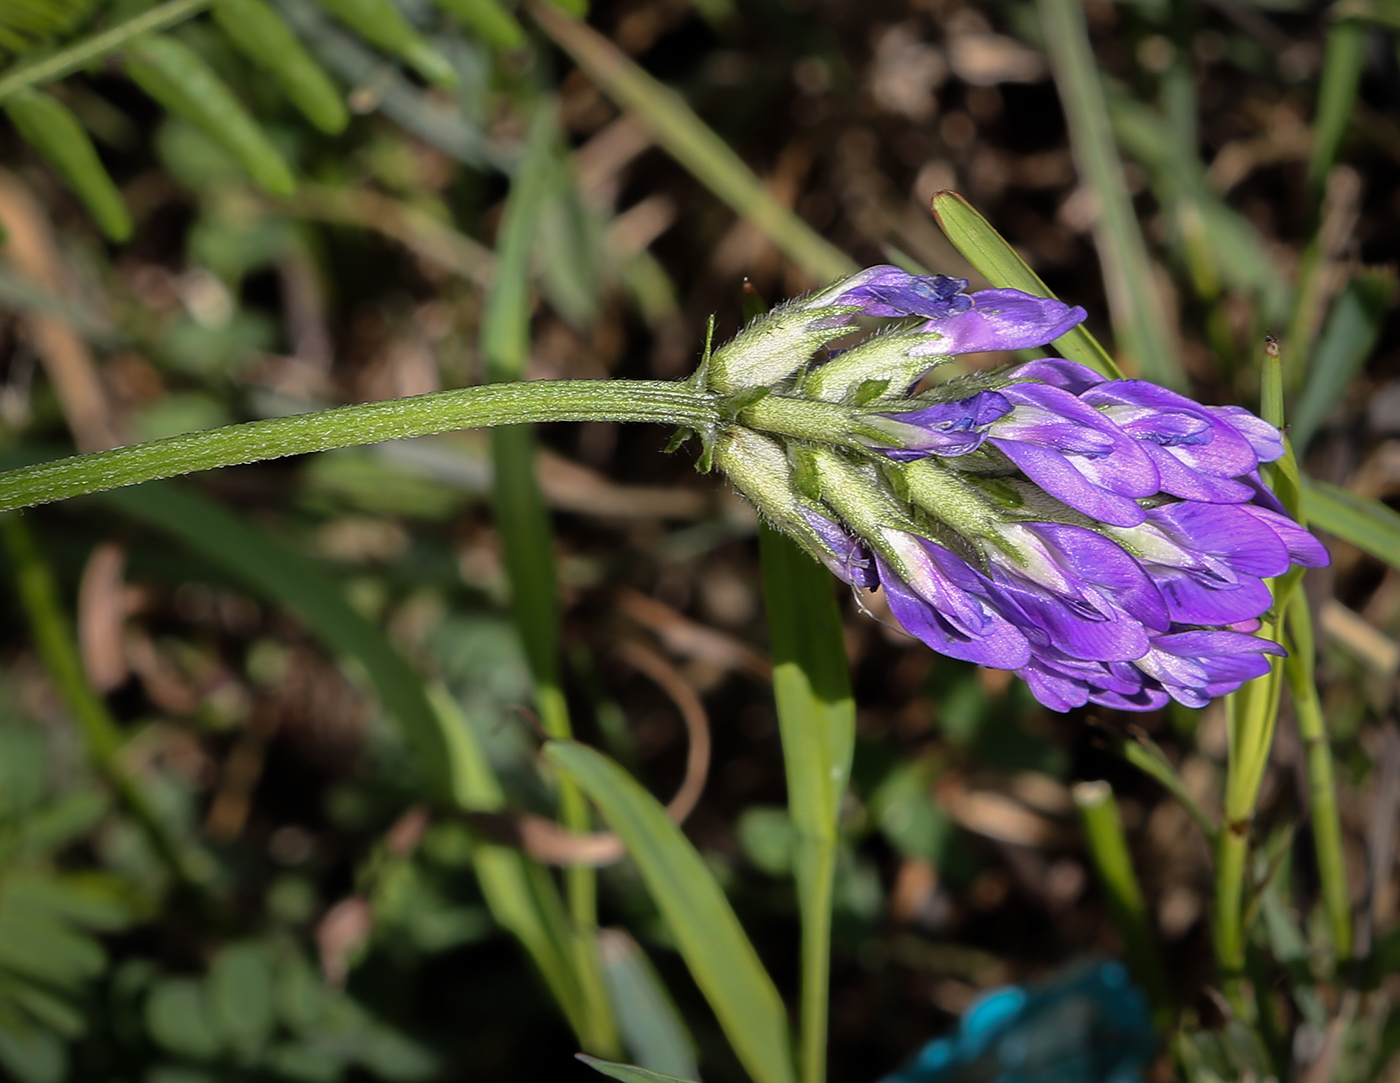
(1342, 62)
(181, 80)
(1365, 523)
(50, 127)
(817, 719)
(651, 1025)
(989, 252)
(381, 24)
(31, 1053)
(40, 948)
(487, 19)
(240, 994)
(629, 1073)
(1351, 332)
(719, 955)
(178, 1019)
(261, 35)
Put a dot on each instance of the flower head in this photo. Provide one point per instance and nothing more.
(1108, 539)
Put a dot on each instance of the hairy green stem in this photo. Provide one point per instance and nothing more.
(369, 423)
(1108, 850)
(84, 52)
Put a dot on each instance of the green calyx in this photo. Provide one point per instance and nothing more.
(775, 346)
(884, 366)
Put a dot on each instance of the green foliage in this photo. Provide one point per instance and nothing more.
(50, 919)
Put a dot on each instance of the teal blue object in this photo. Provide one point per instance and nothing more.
(1090, 1025)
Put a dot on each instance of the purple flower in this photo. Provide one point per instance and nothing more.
(1075, 453)
(943, 600)
(1109, 540)
(966, 323)
(945, 428)
(845, 555)
(1070, 588)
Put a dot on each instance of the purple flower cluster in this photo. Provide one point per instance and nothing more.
(1107, 539)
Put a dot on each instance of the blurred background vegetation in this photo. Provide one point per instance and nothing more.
(225, 852)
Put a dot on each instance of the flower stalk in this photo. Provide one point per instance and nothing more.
(368, 423)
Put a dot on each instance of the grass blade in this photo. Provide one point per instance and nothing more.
(1342, 63)
(519, 892)
(1368, 524)
(1138, 317)
(651, 1025)
(527, 538)
(1108, 851)
(817, 717)
(987, 250)
(101, 735)
(629, 1073)
(81, 53)
(1351, 332)
(719, 955)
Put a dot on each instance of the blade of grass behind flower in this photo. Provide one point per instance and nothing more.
(652, 1026)
(527, 538)
(1342, 62)
(816, 716)
(989, 252)
(1108, 851)
(101, 736)
(692, 142)
(720, 957)
(1361, 521)
(1351, 332)
(519, 892)
(629, 1073)
(1139, 319)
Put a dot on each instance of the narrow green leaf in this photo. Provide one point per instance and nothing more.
(693, 143)
(652, 1027)
(811, 682)
(1342, 62)
(1108, 852)
(629, 1073)
(988, 251)
(719, 955)
(71, 58)
(102, 737)
(182, 81)
(50, 127)
(1351, 332)
(817, 717)
(527, 538)
(287, 578)
(520, 894)
(32, 1054)
(1147, 756)
(489, 20)
(381, 24)
(1138, 315)
(1366, 523)
(262, 36)
(47, 952)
